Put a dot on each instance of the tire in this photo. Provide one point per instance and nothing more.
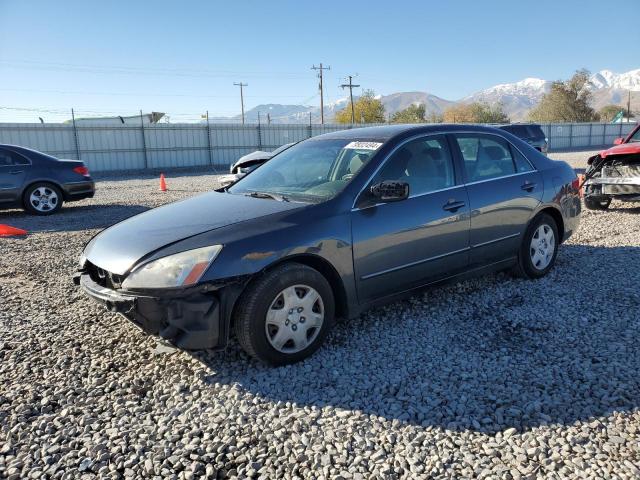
(593, 204)
(536, 263)
(53, 194)
(270, 322)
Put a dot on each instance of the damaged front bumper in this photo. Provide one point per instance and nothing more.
(191, 319)
(621, 181)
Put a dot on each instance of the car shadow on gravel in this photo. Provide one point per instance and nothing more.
(72, 217)
(487, 354)
(623, 208)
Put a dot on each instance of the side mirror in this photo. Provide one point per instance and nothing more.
(618, 141)
(390, 191)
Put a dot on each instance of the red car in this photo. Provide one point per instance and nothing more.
(614, 173)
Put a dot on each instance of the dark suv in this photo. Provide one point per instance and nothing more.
(530, 133)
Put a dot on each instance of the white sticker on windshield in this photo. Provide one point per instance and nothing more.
(363, 145)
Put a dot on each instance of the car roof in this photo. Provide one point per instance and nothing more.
(20, 149)
(30, 153)
(386, 132)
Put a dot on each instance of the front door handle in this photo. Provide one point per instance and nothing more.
(16, 172)
(528, 186)
(452, 205)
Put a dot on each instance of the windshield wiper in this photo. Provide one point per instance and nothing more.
(280, 198)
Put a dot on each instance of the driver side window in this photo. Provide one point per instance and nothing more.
(424, 163)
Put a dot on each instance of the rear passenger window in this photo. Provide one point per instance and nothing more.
(485, 156)
(8, 159)
(5, 159)
(522, 164)
(535, 131)
(425, 164)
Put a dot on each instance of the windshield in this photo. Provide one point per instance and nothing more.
(313, 171)
(635, 137)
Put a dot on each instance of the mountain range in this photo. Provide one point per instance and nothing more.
(517, 99)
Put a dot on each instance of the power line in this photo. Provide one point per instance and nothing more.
(351, 87)
(136, 94)
(321, 69)
(240, 84)
(181, 71)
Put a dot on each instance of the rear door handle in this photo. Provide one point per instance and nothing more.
(452, 205)
(528, 186)
(15, 172)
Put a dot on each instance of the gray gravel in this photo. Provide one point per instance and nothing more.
(490, 378)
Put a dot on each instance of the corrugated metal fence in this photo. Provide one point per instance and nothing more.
(568, 136)
(127, 147)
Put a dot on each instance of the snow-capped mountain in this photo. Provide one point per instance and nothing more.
(517, 99)
(622, 81)
(529, 87)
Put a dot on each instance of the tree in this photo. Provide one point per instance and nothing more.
(477, 112)
(368, 109)
(567, 101)
(608, 112)
(434, 117)
(414, 113)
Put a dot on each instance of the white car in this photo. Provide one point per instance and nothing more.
(250, 162)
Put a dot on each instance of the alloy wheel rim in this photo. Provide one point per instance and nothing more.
(43, 199)
(542, 247)
(294, 319)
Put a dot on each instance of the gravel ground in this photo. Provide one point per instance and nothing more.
(490, 378)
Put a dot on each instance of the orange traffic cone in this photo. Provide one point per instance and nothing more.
(163, 183)
(7, 231)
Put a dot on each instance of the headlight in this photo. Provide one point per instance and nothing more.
(180, 269)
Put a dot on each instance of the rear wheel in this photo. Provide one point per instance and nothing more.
(284, 316)
(42, 199)
(539, 247)
(597, 204)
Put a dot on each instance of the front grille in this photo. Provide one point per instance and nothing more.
(104, 278)
(621, 171)
(621, 189)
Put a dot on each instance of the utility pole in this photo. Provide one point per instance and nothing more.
(321, 69)
(629, 107)
(240, 84)
(351, 87)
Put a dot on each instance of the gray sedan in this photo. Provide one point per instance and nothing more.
(330, 227)
(40, 183)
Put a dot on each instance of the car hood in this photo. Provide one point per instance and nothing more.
(256, 156)
(120, 247)
(622, 149)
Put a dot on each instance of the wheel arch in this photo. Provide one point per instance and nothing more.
(31, 183)
(323, 266)
(328, 271)
(554, 213)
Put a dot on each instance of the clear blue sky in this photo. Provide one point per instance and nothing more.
(182, 57)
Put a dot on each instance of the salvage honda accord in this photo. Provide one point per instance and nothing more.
(329, 227)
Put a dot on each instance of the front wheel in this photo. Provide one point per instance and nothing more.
(539, 248)
(284, 316)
